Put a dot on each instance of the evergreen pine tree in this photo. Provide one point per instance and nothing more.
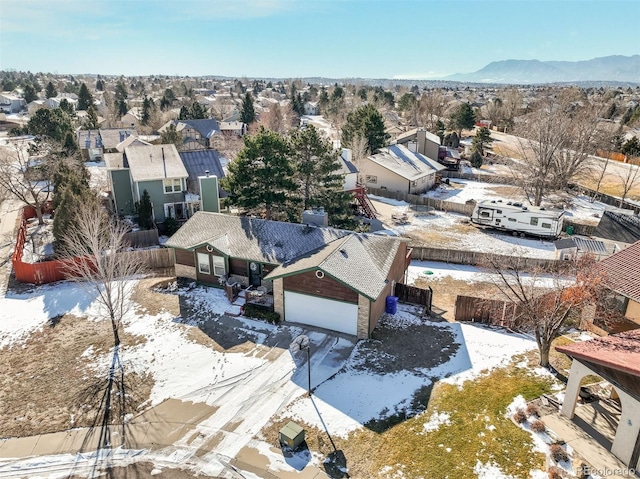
(365, 121)
(145, 211)
(85, 98)
(50, 91)
(247, 112)
(261, 177)
(91, 122)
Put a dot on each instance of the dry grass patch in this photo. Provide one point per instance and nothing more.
(153, 302)
(48, 385)
(477, 431)
(447, 289)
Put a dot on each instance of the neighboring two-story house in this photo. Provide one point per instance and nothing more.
(157, 169)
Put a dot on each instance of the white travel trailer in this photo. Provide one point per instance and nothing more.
(518, 219)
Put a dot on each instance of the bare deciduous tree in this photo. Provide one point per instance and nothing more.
(26, 178)
(558, 139)
(359, 151)
(96, 255)
(430, 108)
(543, 301)
(279, 118)
(599, 173)
(228, 145)
(96, 249)
(629, 178)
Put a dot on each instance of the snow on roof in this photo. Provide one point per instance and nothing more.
(617, 351)
(154, 162)
(406, 163)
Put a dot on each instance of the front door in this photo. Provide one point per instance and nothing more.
(254, 274)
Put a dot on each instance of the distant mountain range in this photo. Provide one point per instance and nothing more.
(615, 68)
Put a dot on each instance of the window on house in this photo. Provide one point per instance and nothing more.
(172, 185)
(371, 179)
(546, 225)
(177, 211)
(218, 266)
(203, 263)
(534, 221)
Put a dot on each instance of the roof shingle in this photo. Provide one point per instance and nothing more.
(623, 271)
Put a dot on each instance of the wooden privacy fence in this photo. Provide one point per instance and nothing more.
(486, 311)
(414, 295)
(484, 177)
(442, 205)
(143, 238)
(475, 258)
(56, 270)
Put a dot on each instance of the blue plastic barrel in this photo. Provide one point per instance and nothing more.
(392, 304)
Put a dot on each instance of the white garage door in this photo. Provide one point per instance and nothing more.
(321, 312)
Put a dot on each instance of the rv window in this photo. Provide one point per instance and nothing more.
(497, 221)
(484, 214)
(546, 225)
(534, 221)
(499, 212)
(512, 219)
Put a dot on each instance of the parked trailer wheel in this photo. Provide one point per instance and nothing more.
(521, 235)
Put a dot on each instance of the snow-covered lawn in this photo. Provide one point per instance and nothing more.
(434, 270)
(577, 207)
(453, 231)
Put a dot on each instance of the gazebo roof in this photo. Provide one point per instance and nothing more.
(620, 352)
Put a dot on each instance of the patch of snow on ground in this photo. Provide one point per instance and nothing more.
(181, 368)
(436, 420)
(352, 398)
(485, 348)
(517, 404)
(447, 225)
(388, 201)
(489, 471)
(22, 314)
(286, 459)
(472, 274)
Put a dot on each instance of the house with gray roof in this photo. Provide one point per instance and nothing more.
(159, 170)
(200, 163)
(323, 277)
(196, 134)
(397, 168)
(112, 137)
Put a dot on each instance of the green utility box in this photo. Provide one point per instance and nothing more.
(291, 435)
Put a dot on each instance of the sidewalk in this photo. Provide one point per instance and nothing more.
(9, 210)
(160, 428)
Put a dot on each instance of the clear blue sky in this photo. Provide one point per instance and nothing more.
(293, 38)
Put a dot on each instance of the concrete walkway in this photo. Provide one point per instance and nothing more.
(601, 460)
(158, 430)
(9, 210)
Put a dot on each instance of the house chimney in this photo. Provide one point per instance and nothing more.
(206, 173)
